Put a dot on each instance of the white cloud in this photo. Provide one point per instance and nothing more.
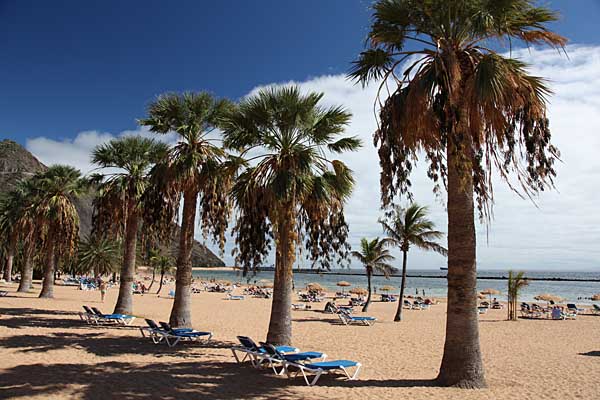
(562, 233)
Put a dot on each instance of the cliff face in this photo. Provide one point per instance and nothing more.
(17, 163)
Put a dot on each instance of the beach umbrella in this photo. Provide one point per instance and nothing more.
(315, 286)
(490, 292)
(359, 291)
(387, 288)
(549, 298)
(343, 284)
(481, 296)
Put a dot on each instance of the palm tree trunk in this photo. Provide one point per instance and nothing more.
(153, 276)
(461, 363)
(280, 324)
(48, 282)
(9, 264)
(162, 277)
(27, 273)
(366, 306)
(181, 315)
(398, 316)
(125, 300)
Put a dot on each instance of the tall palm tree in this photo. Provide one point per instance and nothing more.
(11, 210)
(98, 255)
(374, 256)
(25, 225)
(470, 110)
(56, 219)
(406, 227)
(197, 169)
(289, 188)
(516, 282)
(118, 205)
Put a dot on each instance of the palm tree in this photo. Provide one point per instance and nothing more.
(470, 110)
(56, 219)
(516, 282)
(118, 206)
(162, 263)
(8, 216)
(289, 188)
(99, 255)
(374, 256)
(406, 227)
(197, 169)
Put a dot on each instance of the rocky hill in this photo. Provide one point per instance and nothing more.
(17, 163)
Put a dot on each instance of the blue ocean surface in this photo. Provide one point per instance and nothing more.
(571, 291)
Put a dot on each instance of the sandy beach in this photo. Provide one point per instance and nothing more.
(47, 352)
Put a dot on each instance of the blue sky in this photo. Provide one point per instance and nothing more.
(76, 74)
(70, 66)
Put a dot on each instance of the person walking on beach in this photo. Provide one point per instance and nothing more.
(102, 287)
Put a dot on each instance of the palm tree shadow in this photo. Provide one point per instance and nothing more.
(386, 383)
(102, 345)
(123, 380)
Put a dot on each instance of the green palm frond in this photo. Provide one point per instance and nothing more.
(285, 135)
(453, 64)
(410, 226)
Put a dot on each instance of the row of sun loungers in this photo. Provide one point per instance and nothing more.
(94, 316)
(291, 361)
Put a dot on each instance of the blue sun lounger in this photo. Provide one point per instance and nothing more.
(255, 353)
(275, 357)
(122, 319)
(172, 336)
(348, 319)
(95, 316)
(319, 368)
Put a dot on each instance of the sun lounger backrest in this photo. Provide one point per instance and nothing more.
(269, 348)
(248, 343)
(152, 324)
(88, 310)
(98, 312)
(166, 326)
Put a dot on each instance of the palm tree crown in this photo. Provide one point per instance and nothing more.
(129, 160)
(410, 226)
(457, 91)
(288, 135)
(374, 256)
(196, 164)
(57, 217)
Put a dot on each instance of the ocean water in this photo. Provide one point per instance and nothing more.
(436, 287)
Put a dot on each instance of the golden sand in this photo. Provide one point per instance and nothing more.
(47, 352)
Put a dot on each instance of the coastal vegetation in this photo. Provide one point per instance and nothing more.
(469, 110)
(406, 227)
(375, 257)
(196, 169)
(289, 188)
(118, 205)
(516, 282)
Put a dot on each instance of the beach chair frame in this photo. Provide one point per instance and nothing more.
(348, 319)
(275, 358)
(317, 372)
(119, 319)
